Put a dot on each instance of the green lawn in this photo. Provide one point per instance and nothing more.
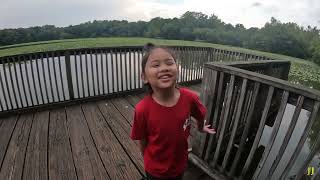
(302, 71)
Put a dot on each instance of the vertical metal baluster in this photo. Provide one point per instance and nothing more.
(4, 95)
(44, 78)
(117, 80)
(139, 67)
(61, 79)
(125, 69)
(195, 52)
(23, 81)
(183, 64)
(97, 73)
(55, 75)
(135, 69)
(87, 74)
(189, 64)
(199, 59)
(38, 74)
(33, 79)
(81, 72)
(12, 83)
(76, 68)
(92, 74)
(50, 79)
(101, 60)
(107, 71)
(28, 80)
(121, 70)
(130, 71)
(112, 72)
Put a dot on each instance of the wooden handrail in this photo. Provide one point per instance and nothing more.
(245, 93)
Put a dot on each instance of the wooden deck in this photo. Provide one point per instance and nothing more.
(84, 141)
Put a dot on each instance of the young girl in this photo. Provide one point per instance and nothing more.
(161, 119)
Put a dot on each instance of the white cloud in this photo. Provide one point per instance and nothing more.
(17, 13)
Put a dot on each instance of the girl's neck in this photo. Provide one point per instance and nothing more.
(167, 97)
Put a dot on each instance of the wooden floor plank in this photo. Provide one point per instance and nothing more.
(12, 167)
(68, 144)
(122, 130)
(36, 155)
(61, 164)
(117, 163)
(133, 100)
(86, 158)
(6, 129)
(125, 108)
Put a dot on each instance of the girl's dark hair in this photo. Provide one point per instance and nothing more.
(147, 49)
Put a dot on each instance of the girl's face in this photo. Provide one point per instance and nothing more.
(161, 69)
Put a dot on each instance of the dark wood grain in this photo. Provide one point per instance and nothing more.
(117, 164)
(121, 130)
(61, 164)
(86, 158)
(36, 155)
(12, 167)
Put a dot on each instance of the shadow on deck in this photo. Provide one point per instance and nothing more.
(83, 141)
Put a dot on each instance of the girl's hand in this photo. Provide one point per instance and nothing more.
(206, 129)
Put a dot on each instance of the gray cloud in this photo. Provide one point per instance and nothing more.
(17, 13)
(256, 4)
(61, 13)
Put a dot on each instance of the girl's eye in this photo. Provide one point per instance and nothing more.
(155, 65)
(170, 62)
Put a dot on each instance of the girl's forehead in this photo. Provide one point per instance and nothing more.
(159, 54)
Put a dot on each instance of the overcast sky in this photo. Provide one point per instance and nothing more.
(250, 13)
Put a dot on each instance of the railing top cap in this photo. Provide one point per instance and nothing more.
(275, 82)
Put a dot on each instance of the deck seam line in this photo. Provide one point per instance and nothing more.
(17, 118)
(48, 144)
(111, 101)
(26, 149)
(68, 133)
(141, 173)
(95, 145)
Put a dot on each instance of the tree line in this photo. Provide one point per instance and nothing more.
(277, 37)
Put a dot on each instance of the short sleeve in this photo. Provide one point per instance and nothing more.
(198, 110)
(139, 128)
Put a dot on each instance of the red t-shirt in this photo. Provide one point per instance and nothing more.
(166, 130)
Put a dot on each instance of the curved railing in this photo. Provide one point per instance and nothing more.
(55, 78)
(248, 101)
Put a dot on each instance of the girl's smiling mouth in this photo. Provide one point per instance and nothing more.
(165, 76)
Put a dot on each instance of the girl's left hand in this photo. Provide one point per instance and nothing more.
(208, 130)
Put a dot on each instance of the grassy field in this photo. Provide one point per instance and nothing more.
(302, 71)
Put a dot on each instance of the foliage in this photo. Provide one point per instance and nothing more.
(306, 74)
(302, 72)
(283, 38)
